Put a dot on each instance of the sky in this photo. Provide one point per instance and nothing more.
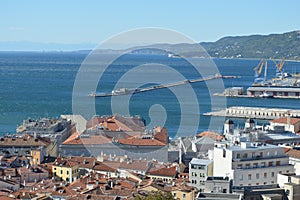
(92, 21)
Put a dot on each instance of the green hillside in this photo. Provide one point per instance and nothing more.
(286, 45)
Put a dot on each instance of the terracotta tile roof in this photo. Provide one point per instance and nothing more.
(6, 198)
(135, 165)
(117, 123)
(134, 141)
(95, 121)
(213, 135)
(84, 162)
(283, 120)
(77, 138)
(100, 166)
(127, 185)
(63, 191)
(31, 169)
(167, 172)
(293, 153)
(120, 192)
(92, 197)
(64, 162)
(161, 134)
(25, 141)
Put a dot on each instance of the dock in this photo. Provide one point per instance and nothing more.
(125, 91)
(254, 112)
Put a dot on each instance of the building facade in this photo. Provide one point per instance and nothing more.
(250, 164)
(65, 169)
(199, 170)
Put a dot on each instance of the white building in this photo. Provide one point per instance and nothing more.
(250, 164)
(199, 170)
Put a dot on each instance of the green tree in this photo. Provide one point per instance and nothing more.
(156, 195)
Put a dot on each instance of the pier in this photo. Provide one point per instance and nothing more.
(254, 112)
(125, 91)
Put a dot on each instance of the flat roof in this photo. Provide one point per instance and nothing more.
(251, 147)
(197, 161)
(275, 89)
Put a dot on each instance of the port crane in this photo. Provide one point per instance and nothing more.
(258, 70)
(279, 68)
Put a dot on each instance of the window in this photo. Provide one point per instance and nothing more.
(239, 166)
(201, 167)
(273, 174)
(263, 164)
(270, 164)
(224, 153)
(245, 155)
(278, 162)
(174, 194)
(183, 196)
(257, 176)
(255, 165)
(248, 165)
(249, 176)
(261, 154)
(61, 171)
(54, 168)
(67, 172)
(265, 175)
(241, 177)
(238, 155)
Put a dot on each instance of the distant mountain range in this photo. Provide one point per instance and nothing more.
(277, 46)
(285, 45)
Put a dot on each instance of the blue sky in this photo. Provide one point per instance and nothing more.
(93, 21)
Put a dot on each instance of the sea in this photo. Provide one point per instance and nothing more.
(40, 84)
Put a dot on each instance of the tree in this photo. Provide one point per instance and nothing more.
(156, 195)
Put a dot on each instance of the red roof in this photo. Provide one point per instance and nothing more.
(212, 135)
(140, 142)
(294, 153)
(283, 120)
(169, 172)
(91, 139)
(102, 167)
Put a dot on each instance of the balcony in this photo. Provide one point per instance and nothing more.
(259, 158)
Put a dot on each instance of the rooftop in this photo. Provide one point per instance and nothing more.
(167, 171)
(284, 120)
(197, 161)
(25, 141)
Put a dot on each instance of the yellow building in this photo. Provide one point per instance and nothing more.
(65, 169)
(37, 156)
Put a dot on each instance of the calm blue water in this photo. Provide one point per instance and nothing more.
(40, 85)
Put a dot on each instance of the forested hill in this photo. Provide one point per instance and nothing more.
(286, 45)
